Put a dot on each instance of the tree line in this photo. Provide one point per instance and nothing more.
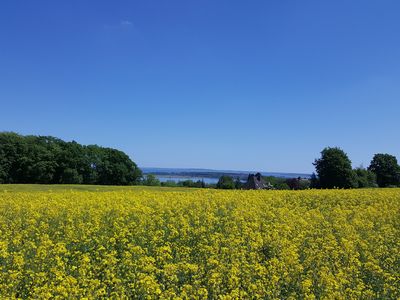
(334, 170)
(152, 180)
(277, 183)
(50, 160)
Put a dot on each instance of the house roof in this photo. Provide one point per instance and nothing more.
(255, 182)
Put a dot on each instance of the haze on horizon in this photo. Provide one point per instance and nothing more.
(229, 85)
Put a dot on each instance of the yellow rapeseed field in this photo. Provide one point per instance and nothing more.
(203, 244)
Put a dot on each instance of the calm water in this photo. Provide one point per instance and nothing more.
(176, 175)
(183, 178)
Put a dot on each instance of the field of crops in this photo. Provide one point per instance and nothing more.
(200, 244)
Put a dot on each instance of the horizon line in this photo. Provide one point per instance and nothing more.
(225, 170)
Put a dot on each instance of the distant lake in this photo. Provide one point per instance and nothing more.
(183, 178)
(207, 175)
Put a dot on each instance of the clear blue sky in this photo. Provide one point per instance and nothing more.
(247, 85)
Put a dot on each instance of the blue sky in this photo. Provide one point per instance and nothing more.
(246, 85)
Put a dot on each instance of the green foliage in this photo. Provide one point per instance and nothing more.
(49, 160)
(365, 178)
(71, 176)
(238, 183)
(226, 182)
(298, 183)
(314, 181)
(151, 180)
(193, 184)
(278, 183)
(304, 184)
(186, 184)
(169, 183)
(334, 169)
(387, 170)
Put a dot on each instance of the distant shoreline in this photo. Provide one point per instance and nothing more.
(184, 174)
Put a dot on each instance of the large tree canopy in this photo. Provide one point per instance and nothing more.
(386, 168)
(45, 159)
(334, 169)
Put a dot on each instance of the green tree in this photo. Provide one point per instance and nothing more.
(238, 183)
(45, 159)
(109, 166)
(72, 165)
(169, 183)
(116, 168)
(365, 178)
(277, 183)
(298, 183)
(386, 169)
(293, 183)
(226, 182)
(151, 180)
(71, 176)
(11, 146)
(334, 169)
(314, 181)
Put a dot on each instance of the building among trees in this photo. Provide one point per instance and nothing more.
(256, 182)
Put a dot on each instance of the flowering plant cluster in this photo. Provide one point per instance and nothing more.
(200, 244)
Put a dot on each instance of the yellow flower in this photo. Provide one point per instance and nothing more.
(200, 244)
